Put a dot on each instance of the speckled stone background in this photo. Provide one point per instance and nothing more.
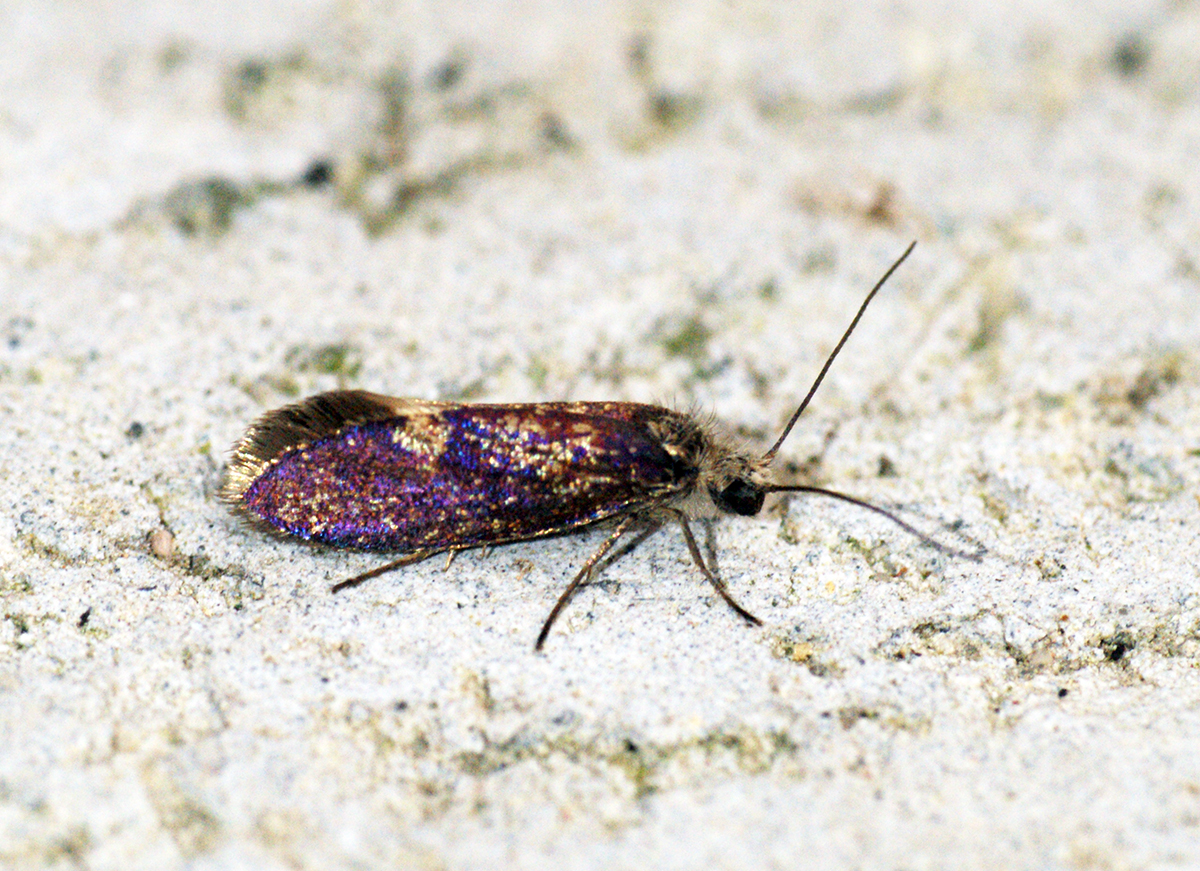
(208, 210)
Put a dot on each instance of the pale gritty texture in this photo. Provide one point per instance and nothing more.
(212, 211)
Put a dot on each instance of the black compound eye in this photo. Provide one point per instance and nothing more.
(740, 497)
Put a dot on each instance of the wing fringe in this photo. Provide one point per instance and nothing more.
(299, 424)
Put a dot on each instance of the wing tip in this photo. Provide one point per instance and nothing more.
(293, 426)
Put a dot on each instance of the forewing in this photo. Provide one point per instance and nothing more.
(452, 476)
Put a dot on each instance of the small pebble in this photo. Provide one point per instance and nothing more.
(162, 543)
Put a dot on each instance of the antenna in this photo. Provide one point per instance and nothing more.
(770, 455)
(928, 540)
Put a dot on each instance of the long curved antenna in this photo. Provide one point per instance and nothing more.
(770, 455)
(861, 503)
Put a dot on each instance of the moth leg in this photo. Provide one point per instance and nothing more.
(450, 555)
(716, 582)
(711, 557)
(407, 560)
(628, 547)
(582, 577)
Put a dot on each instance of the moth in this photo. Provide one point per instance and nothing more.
(417, 478)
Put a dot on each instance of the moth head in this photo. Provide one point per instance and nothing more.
(737, 482)
(739, 496)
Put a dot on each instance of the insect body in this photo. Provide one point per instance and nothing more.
(418, 478)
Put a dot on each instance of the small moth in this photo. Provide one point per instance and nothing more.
(418, 478)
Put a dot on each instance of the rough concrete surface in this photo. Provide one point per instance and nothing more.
(210, 210)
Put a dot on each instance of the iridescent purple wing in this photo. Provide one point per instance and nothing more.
(359, 470)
